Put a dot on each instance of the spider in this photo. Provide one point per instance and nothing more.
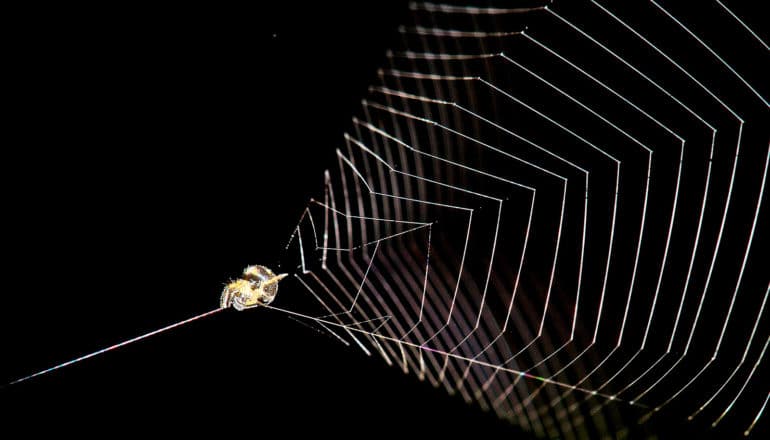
(257, 287)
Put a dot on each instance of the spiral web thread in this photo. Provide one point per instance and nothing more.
(555, 211)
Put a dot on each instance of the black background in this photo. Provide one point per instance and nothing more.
(155, 153)
(158, 153)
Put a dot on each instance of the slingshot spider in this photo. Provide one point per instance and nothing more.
(257, 287)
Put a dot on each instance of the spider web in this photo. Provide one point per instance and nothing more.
(552, 210)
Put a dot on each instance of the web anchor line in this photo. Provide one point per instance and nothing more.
(115, 346)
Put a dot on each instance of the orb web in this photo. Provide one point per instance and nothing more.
(555, 211)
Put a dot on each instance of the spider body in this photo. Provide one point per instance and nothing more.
(257, 287)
